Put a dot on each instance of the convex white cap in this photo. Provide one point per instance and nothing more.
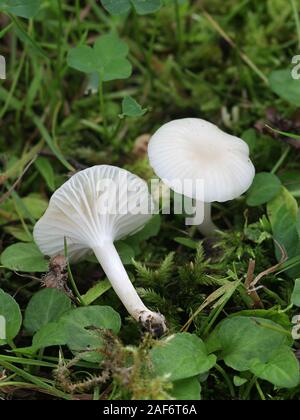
(95, 205)
(193, 149)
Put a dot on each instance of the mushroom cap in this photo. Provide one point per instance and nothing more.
(194, 149)
(95, 205)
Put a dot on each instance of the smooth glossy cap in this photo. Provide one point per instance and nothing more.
(95, 205)
(194, 149)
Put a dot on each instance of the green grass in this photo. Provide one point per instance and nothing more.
(210, 60)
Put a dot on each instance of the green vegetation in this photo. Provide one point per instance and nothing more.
(87, 83)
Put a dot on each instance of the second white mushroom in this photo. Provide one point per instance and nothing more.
(191, 149)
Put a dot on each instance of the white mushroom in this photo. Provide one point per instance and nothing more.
(191, 149)
(94, 208)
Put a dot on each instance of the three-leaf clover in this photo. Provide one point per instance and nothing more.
(131, 108)
(108, 58)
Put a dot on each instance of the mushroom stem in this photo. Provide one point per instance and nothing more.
(112, 265)
(207, 227)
